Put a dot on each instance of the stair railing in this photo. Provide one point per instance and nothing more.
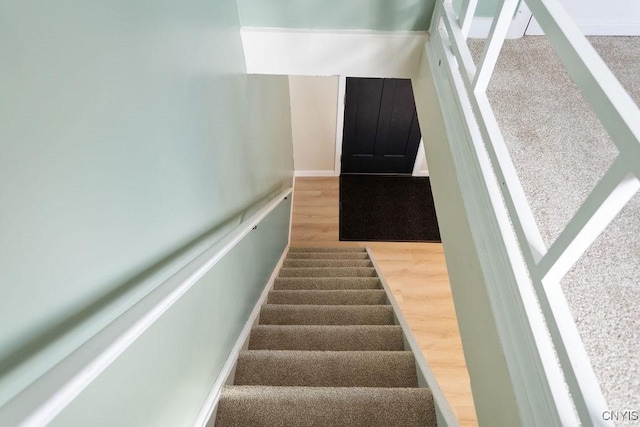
(44, 399)
(547, 266)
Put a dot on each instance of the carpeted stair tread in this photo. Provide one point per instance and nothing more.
(323, 249)
(329, 272)
(261, 406)
(327, 337)
(326, 283)
(304, 314)
(312, 263)
(326, 368)
(326, 351)
(327, 255)
(332, 297)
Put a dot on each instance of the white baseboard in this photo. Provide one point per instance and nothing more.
(315, 173)
(293, 194)
(595, 28)
(208, 410)
(354, 53)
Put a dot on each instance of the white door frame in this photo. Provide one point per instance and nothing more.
(420, 156)
(342, 90)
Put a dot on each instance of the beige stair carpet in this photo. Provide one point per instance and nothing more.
(326, 351)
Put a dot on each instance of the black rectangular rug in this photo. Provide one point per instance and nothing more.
(387, 208)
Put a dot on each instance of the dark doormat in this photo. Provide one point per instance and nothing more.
(387, 208)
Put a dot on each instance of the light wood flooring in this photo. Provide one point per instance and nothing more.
(417, 275)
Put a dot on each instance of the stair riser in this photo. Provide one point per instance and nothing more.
(294, 249)
(321, 407)
(326, 351)
(327, 255)
(329, 272)
(326, 283)
(315, 263)
(326, 369)
(273, 314)
(366, 297)
(327, 338)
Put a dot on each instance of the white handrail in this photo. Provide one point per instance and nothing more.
(620, 117)
(43, 400)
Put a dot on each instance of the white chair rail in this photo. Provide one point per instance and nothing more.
(620, 117)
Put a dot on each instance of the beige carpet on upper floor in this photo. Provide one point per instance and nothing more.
(560, 150)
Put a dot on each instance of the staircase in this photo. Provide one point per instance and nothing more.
(326, 352)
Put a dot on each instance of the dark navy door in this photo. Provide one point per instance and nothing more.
(381, 131)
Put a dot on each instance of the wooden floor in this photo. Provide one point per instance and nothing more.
(417, 275)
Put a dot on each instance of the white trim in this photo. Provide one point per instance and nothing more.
(446, 416)
(518, 324)
(226, 374)
(612, 104)
(516, 335)
(620, 116)
(481, 26)
(592, 23)
(342, 93)
(293, 194)
(420, 157)
(499, 29)
(44, 399)
(315, 173)
(332, 53)
(591, 28)
(614, 190)
(466, 15)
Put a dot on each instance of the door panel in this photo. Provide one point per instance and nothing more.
(397, 128)
(381, 131)
(369, 93)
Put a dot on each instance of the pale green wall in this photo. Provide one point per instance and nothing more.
(163, 379)
(380, 15)
(128, 129)
(383, 15)
(486, 8)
